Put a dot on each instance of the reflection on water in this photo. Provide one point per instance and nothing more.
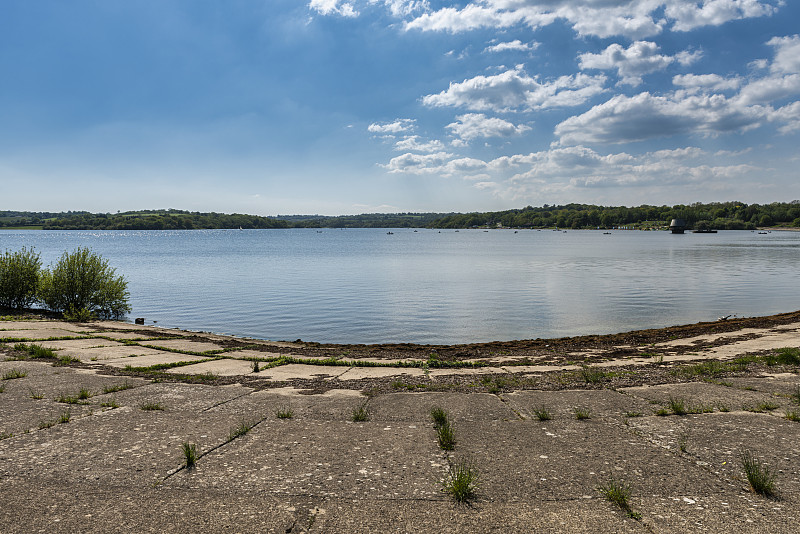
(365, 286)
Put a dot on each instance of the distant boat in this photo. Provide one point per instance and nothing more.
(389, 233)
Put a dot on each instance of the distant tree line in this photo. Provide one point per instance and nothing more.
(717, 215)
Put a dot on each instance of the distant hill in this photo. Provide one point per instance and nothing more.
(718, 215)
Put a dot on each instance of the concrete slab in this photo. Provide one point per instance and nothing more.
(38, 334)
(561, 404)
(144, 357)
(362, 373)
(416, 407)
(73, 344)
(703, 394)
(183, 344)
(222, 367)
(298, 370)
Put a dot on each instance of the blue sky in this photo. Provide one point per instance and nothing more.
(352, 106)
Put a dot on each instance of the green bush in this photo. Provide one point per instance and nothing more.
(83, 282)
(19, 278)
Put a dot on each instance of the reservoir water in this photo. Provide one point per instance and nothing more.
(431, 286)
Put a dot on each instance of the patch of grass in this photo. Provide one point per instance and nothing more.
(723, 407)
(65, 416)
(446, 436)
(113, 388)
(461, 481)
(439, 416)
(36, 394)
(151, 406)
(784, 356)
(12, 374)
(255, 366)
(68, 399)
(109, 404)
(240, 430)
(541, 413)
(360, 413)
(619, 493)
(633, 414)
(284, 412)
(759, 475)
(46, 424)
(792, 415)
(581, 413)
(677, 405)
(6, 435)
(662, 412)
(190, 454)
(84, 394)
(2, 388)
(35, 351)
(592, 375)
(683, 441)
(795, 395)
(66, 360)
(766, 406)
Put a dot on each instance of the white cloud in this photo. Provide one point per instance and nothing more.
(645, 116)
(634, 19)
(514, 90)
(411, 142)
(710, 82)
(631, 63)
(473, 125)
(333, 7)
(417, 163)
(787, 54)
(512, 45)
(401, 8)
(398, 126)
(769, 89)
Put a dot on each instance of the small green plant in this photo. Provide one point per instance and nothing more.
(240, 430)
(677, 406)
(683, 441)
(2, 388)
(6, 435)
(360, 413)
(461, 481)
(784, 356)
(633, 414)
(68, 399)
(65, 360)
(439, 416)
(255, 366)
(284, 412)
(151, 406)
(189, 454)
(36, 394)
(446, 437)
(619, 493)
(759, 475)
(592, 375)
(581, 413)
(113, 388)
(12, 374)
(722, 407)
(84, 394)
(46, 424)
(792, 415)
(541, 413)
(65, 416)
(109, 404)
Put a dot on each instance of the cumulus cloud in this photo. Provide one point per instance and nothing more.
(512, 45)
(645, 116)
(633, 19)
(514, 90)
(412, 142)
(640, 58)
(401, 8)
(473, 125)
(333, 7)
(417, 163)
(787, 54)
(706, 82)
(397, 126)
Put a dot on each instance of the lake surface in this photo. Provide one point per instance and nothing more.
(365, 286)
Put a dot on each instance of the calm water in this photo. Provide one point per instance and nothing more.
(364, 286)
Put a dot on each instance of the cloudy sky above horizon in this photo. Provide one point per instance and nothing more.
(353, 106)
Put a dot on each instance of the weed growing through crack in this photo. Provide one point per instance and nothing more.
(619, 493)
(677, 406)
(592, 375)
(255, 366)
(6, 435)
(284, 412)
(117, 387)
(46, 424)
(461, 481)
(65, 416)
(541, 413)
(683, 441)
(65, 360)
(446, 436)
(110, 404)
(84, 394)
(792, 415)
(360, 413)
(581, 413)
(189, 454)
(11, 374)
(36, 393)
(240, 430)
(439, 416)
(151, 406)
(2, 388)
(759, 475)
(633, 414)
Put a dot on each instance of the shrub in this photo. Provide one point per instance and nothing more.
(82, 283)
(19, 278)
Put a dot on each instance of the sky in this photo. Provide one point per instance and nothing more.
(332, 107)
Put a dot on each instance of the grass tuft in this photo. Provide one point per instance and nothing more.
(759, 475)
(110, 404)
(36, 394)
(792, 415)
(541, 413)
(190, 454)
(151, 406)
(360, 413)
(446, 436)
(461, 481)
(677, 406)
(65, 416)
(113, 388)
(439, 416)
(592, 375)
(284, 412)
(12, 374)
(581, 413)
(619, 493)
(240, 430)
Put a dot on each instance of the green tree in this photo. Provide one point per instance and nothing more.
(83, 282)
(19, 278)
